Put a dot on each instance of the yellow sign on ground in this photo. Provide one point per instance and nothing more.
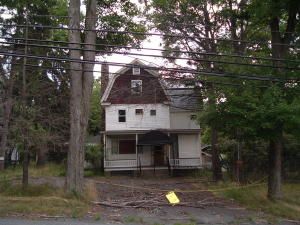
(172, 198)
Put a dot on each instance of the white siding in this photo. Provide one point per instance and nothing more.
(137, 122)
(189, 146)
(182, 120)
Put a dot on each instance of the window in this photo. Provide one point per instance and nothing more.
(139, 111)
(122, 115)
(193, 117)
(136, 87)
(136, 71)
(127, 146)
(152, 112)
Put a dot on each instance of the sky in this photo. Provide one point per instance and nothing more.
(152, 42)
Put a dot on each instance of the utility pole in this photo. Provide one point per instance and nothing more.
(26, 150)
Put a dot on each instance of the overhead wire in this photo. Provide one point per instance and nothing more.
(159, 56)
(179, 70)
(157, 49)
(147, 34)
(171, 16)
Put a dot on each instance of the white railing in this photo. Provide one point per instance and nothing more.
(120, 163)
(185, 162)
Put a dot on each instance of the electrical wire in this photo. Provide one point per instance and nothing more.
(158, 56)
(148, 34)
(179, 70)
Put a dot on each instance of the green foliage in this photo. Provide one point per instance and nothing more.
(255, 198)
(95, 110)
(93, 155)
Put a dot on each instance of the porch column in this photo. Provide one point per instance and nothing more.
(169, 149)
(104, 147)
(199, 141)
(136, 147)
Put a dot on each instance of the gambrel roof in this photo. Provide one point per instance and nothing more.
(118, 90)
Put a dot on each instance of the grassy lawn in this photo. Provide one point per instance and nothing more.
(38, 200)
(255, 197)
(50, 169)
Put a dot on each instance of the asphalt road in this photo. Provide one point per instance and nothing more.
(9, 221)
(48, 222)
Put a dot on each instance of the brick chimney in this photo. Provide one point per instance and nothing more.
(104, 77)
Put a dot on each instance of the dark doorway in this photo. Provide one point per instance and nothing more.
(159, 156)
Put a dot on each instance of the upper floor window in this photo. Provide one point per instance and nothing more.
(136, 71)
(152, 112)
(122, 115)
(139, 111)
(136, 87)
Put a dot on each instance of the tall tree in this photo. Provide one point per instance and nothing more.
(82, 75)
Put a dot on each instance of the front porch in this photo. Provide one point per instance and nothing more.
(153, 150)
(184, 163)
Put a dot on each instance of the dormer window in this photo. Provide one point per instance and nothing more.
(136, 70)
(136, 87)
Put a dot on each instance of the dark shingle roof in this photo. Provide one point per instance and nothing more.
(183, 99)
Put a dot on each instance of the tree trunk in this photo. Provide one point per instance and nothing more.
(74, 178)
(81, 90)
(42, 155)
(216, 164)
(8, 104)
(25, 167)
(88, 55)
(274, 181)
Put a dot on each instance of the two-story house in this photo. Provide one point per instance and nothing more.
(147, 125)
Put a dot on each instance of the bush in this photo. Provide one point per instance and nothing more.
(93, 155)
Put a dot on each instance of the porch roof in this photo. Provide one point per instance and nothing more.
(171, 131)
(154, 137)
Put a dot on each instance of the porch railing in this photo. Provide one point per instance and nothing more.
(120, 163)
(132, 163)
(185, 162)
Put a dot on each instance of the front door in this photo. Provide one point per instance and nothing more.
(159, 156)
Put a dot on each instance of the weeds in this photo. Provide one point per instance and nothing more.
(255, 197)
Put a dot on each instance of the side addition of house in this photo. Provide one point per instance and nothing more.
(148, 126)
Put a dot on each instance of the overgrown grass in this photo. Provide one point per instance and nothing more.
(50, 169)
(40, 199)
(255, 197)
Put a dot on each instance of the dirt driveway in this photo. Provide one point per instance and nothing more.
(129, 200)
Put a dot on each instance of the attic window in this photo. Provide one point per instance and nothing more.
(136, 71)
(136, 87)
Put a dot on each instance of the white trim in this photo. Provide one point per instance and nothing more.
(2, 158)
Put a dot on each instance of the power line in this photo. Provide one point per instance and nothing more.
(176, 70)
(157, 49)
(159, 56)
(172, 16)
(147, 34)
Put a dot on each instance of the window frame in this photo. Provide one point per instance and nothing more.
(122, 116)
(131, 141)
(139, 111)
(152, 112)
(136, 70)
(139, 88)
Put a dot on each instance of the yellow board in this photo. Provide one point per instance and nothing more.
(172, 198)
